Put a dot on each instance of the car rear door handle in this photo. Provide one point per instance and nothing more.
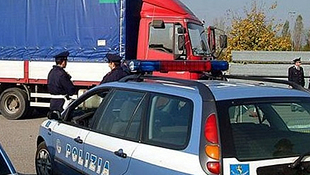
(120, 153)
(78, 139)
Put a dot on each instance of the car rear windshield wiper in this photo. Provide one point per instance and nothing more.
(297, 162)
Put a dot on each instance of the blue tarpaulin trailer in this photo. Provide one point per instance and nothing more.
(39, 29)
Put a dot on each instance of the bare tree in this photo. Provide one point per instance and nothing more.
(307, 46)
(286, 29)
(298, 33)
(221, 23)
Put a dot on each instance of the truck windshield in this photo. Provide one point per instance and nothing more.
(198, 39)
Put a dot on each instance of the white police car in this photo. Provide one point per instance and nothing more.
(156, 125)
(6, 166)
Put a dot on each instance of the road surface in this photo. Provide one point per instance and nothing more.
(18, 138)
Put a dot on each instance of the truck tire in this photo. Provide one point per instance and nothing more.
(43, 160)
(14, 103)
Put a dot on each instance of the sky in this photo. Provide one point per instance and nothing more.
(209, 10)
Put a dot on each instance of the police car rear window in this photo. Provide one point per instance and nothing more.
(269, 129)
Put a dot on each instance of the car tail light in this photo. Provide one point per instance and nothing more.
(213, 151)
(212, 147)
(211, 129)
(214, 167)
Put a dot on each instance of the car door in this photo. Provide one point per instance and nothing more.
(166, 136)
(69, 136)
(68, 140)
(115, 133)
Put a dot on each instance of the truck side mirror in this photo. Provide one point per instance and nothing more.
(181, 30)
(181, 42)
(223, 41)
(179, 50)
(158, 24)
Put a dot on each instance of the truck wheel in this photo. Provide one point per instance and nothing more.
(43, 160)
(14, 103)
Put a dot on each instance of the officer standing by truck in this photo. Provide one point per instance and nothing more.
(296, 72)
(59, 83)
(117, 70)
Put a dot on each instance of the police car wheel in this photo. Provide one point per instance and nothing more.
(43, 160)
(14, 103)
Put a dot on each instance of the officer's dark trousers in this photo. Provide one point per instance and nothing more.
(57, 104)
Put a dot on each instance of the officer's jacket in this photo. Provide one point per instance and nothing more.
(115, 75)
(296, 76)
(59, 82)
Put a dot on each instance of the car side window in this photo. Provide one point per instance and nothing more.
(82, 113)
(121, 115)
(169, 121)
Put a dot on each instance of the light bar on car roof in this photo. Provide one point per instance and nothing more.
(178, 65)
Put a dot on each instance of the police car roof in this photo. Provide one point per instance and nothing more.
(221, 90)
(227, 90)
(156, 87)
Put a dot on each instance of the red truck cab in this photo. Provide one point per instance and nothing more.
(170, 31)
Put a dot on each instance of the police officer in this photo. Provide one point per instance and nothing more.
(59, 83)
(117, 71)
(296, 72)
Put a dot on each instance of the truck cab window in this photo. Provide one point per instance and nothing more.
(161, 39)
(198, 39)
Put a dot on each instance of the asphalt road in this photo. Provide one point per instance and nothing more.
(18, 138)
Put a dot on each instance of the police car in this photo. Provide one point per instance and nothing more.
(154, 125)
(6, 166)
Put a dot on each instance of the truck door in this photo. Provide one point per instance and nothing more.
(167, 42)
(161, 41)
(115, 133)
(164, 41)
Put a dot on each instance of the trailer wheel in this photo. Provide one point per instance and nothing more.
(14, 103)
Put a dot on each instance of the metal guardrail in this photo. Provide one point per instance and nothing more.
(273, 56)
(263, 76)
(270, 79)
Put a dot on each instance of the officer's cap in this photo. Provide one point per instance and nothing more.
(114, 58)
(62, 56)
(296, 59)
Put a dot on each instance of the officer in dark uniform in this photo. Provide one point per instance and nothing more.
(59, 83)
(117, 71)
(296, 72)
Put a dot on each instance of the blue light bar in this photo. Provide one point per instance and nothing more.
(178, 65)
(144, 66)
(219, 65)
